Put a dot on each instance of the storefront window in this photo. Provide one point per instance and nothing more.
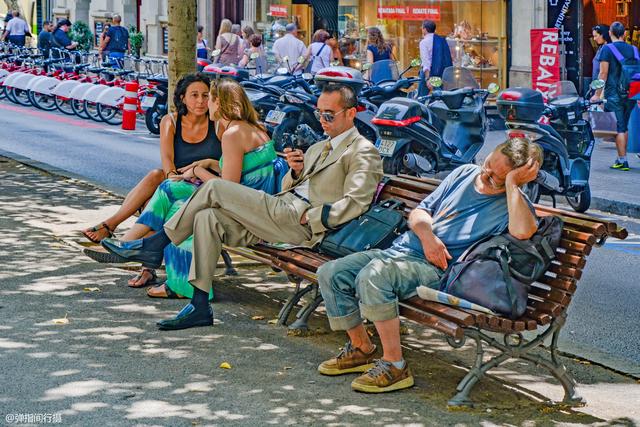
(475, 31)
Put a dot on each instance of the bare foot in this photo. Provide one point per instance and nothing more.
(146, 277)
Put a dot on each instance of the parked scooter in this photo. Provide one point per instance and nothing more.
(567, 141)
(436, 133)
(154, 102)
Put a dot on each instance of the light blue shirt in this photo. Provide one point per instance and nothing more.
(461, 215)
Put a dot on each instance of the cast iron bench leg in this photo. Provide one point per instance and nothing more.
(229, 270)
(302, 321)
(291, 302)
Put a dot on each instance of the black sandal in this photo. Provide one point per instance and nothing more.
(168, 293)
(97, 228)
(151, 281)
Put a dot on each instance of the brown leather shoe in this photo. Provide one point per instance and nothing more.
(349, 360)
(383, 377)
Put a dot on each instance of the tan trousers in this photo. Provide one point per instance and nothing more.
(222, 212)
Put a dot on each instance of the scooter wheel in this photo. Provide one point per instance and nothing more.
(152, 119)
(581, 201)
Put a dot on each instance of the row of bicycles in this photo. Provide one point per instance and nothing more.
(79, 83)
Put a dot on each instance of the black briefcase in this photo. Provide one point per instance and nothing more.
(375, 229)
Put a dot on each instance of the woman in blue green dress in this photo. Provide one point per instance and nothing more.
(248, 157)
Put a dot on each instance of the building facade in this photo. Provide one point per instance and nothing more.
(148, 16)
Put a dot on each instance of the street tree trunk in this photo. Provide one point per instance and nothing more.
(182, 40)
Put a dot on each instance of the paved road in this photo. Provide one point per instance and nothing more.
(608, 296)
(101, 153)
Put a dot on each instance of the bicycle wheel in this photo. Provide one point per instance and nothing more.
(3, 94)
(109, 114)
(42, 101)
(9, 93)
(77, 105)
(91, 110)
(21, 96)
(64, 105)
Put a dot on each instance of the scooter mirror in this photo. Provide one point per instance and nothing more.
(416, 62)
(216, 53)
(435, 82)
(366, 66)
(493, 88)
(335, 63)
(597, 84)
(301, 59)
(254, 55)
(307, 76)
(282, 70)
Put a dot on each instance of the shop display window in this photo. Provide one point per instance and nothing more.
(475, 31)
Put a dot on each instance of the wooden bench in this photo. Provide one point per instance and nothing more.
(549, 298)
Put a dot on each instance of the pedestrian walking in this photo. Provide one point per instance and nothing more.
(44, 38)
(202, 46)
(378, 49)
(290, 47)
(230, 45)
(434, 54)
(60, 38)
(16, 30)
(260, 63)
(611, 60)
(116, 41)
(319, 53)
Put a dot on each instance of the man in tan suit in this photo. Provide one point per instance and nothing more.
(338, 176)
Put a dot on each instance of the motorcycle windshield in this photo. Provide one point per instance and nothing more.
(384, 70)
(457, 78)
(563, 93)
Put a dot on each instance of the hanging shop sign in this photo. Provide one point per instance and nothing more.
(565, 16)
(278, 10)
(545, 59)
(410, 13)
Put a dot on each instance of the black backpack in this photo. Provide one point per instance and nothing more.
(119, 41)
(496, 272)
(629, 69)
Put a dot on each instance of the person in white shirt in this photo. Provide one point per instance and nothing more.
(426, 48)
(290, 46)
(319, 52)
(16, 30)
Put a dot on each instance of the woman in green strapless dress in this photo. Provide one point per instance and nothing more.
(248, 157)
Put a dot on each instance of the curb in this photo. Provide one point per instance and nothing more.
(52, 170)
(615, 207)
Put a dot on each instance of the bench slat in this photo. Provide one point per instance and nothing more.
(541, 318)
(575, 247)
(571, 260)
(566, 271)
(567, 285)
(580, 237)
(547, 307)
(446, 312)
(442, 325)
(552, 294)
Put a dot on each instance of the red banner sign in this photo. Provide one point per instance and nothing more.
(545, 59)
(410, 13)
(278, 10)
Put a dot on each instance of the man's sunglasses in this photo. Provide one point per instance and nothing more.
(327, 116)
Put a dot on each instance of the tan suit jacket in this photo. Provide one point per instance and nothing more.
(345, 183)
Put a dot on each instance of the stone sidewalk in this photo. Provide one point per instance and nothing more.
(109, 365)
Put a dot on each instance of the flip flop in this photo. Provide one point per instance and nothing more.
(152, 281)
(163, 291)
(96, 228)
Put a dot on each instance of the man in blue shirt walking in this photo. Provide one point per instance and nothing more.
(473, 202)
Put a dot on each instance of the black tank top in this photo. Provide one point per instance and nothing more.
(185, 153)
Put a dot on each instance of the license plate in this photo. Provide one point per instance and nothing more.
(148, 101)
(275, 117)
(387, 147)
